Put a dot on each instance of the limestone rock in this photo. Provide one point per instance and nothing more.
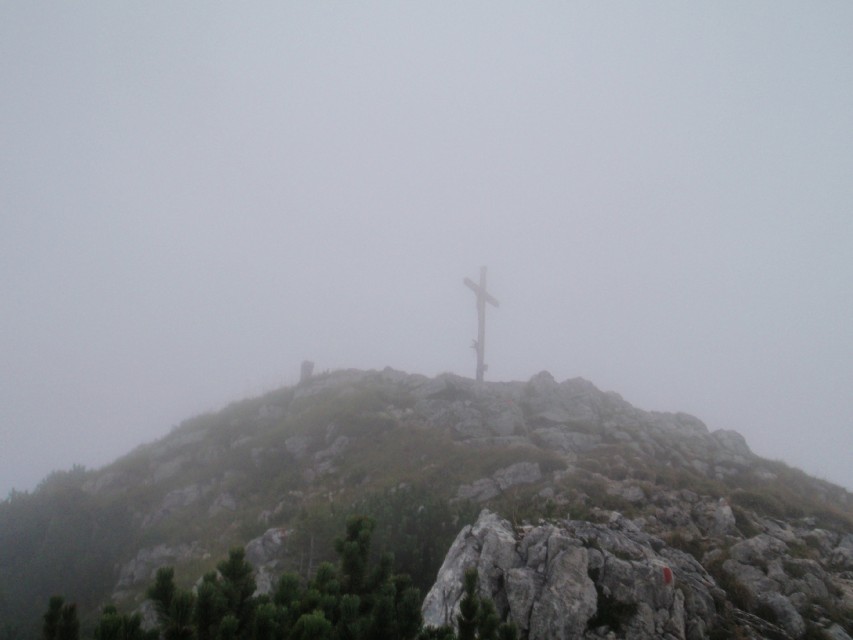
(142, 568)
(577, 579)
(441, 604)
(523, 584)
(265, 553)
(516, 474)
(724, 520)
(266, 547)
(842, 555)
(786, 615)
(573, 401)
(732, 441)
(567, 600)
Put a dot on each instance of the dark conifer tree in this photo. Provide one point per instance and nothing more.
(350, 625)
(113, 625)
(69, 625)
(210, 607)
(180, 622)
(162, 592)
(228, 628)
(469, 607)
(312, 626)
(353, 550)
(51, 618)
(238, 585)
(265, 625)
(487, 621)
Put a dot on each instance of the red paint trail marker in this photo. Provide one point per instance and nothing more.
(667, 575)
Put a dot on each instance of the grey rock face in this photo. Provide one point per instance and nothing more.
(442, 602)
(724, 520)
(732, 441)
(522, 586)
(757, 550)
(489, 545)
(264, 553)
(576, 580)
(842, 555)
(143, 567)
(469, 410)
(573, 401)
(566, 601)
(786, 615)
(518, 473)
(574, 418)
(267, 547)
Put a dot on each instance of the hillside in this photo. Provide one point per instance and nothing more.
(281, 472)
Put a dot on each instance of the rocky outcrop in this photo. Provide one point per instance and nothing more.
(574, 579)
(469, 409)
(141, 569)
(579, 579)
(265, 554)
(571, 417)
(566, 449)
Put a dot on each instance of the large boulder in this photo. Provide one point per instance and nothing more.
(265, 553)
(575, 401)
(574, 579)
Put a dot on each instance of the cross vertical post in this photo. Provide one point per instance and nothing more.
(482, 298)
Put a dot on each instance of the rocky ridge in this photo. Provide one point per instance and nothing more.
(603, 575)
(579, 579)
(602, 497)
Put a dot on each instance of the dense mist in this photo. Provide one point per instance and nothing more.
(196, 198)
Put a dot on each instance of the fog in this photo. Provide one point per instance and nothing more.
(195, 197)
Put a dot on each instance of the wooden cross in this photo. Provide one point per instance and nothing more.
(482, 298)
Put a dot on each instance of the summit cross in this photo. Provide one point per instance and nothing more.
(482, 298)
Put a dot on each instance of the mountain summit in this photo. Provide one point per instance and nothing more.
(596, 519)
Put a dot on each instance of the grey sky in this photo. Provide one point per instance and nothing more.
(194, 197)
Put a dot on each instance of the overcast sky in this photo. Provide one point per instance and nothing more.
(194, 197)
